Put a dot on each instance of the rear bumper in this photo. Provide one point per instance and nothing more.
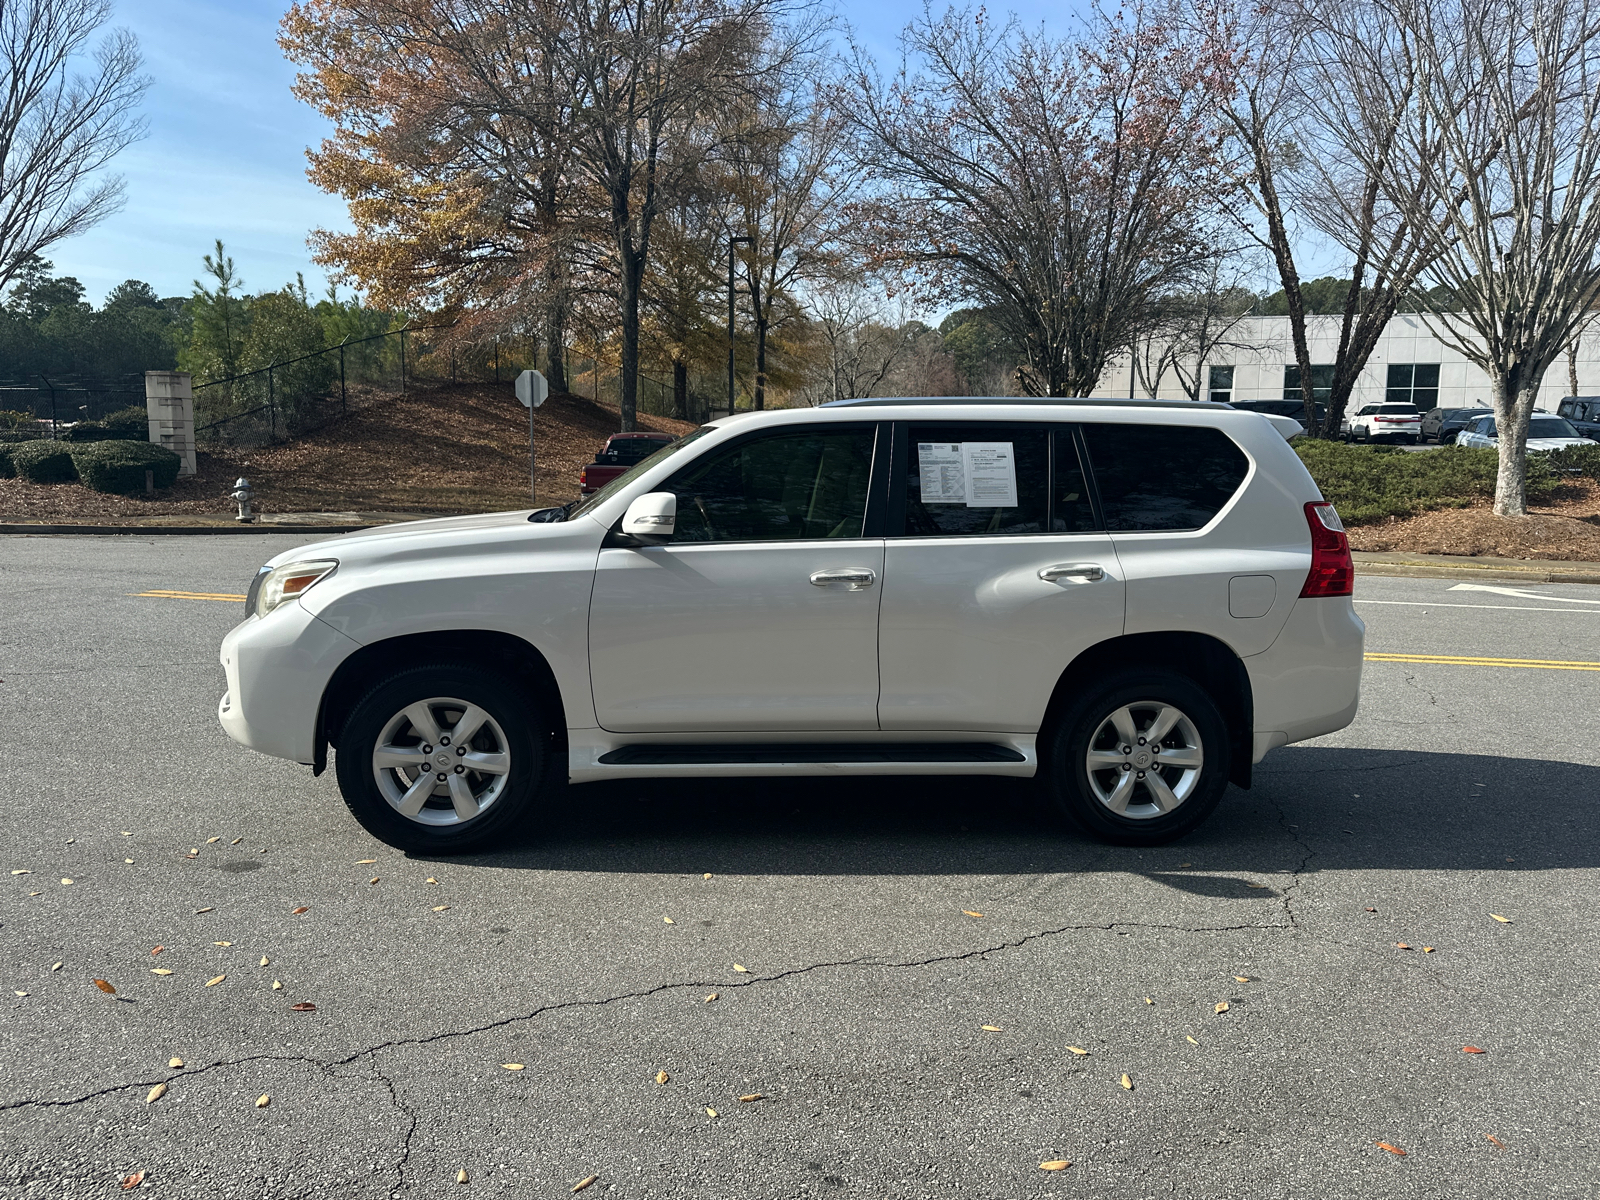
(277, 668)
(1308, 682)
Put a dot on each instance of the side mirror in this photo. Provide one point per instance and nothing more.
(651, 517)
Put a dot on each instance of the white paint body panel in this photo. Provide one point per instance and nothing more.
(717, 642)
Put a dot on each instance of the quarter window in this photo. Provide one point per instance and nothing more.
(1163, 476)
(784, 487)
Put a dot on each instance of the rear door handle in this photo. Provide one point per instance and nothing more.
(1088, 572)
(854, 578)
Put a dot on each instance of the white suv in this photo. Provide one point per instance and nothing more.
(1132, 601)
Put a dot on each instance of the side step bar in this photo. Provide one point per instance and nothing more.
(643, 755)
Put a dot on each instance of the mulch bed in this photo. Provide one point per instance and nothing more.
(1566, 528)
(440, 450)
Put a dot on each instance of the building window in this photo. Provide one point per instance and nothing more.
(1321, 382)
(1220, 385)
(1413, 383)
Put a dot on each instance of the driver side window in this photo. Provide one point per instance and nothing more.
(786, 486)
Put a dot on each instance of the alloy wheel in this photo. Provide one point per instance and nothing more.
(1144, 760)
(441, 761)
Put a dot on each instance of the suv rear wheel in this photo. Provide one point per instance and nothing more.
(441, 758)
(1139, 759)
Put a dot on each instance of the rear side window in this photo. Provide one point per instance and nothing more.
(966, 479)
(1163, 476)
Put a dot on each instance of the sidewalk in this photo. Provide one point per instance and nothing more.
(304, 522)
(1460, 566)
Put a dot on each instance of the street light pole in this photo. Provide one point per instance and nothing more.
(732, 242)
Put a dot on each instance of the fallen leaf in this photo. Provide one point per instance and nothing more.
(24, 872)
(35, 893)
(194, 852)
(1372, 910)
(235, 841)
(1127, 1083)
(66, 882)
(584, 1182)
(708, 875)
(174, 1063)
(132, 1181)
(19, 993)
(374, 879)
(127, 833)
(198, 911)
(1054, 1164)
(1182, 865)
(263, 961)
(214, 982)
(155, 1093)
(753, 1096)
(105, 987)
(512, 1066)
(1427, 949)
(970, 913)
(741, 970)
(662, 1077)
(1077, 1050)
(303, 1006)
(55, 966)
(711, 997)
(1391, 1149)
(209, 841)
(295, 912)
(441, 908)
(1472, 1050)
(160, 971)
(1502, 920)
(1241, 979)
(276, 986)
(1401, 946)
(461, 1175)
(711, 1112)
(993, 1029)
(222, 943)
(1495, 1140)
(1222, 1007)
(1190, 1040)
(668, 921)
(430, 879)
(158, 950)
(365, 862)
(1147, 1000)
(263, 1101)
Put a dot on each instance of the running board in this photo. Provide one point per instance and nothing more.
(643, 755)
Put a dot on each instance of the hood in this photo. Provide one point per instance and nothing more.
(385, 537)
(1557, 443)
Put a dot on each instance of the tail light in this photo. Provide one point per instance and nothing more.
(583, 477)
(1332, 571)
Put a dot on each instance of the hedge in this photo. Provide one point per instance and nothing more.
(43, 462)
(119, 467)
(124, 425)
(7, 471)
(1369, 483)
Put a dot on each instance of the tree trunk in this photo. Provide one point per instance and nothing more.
(680, 389)
(761, 364)
(632, 268)
(1512, 408)
(555, 337)
(1572, 363)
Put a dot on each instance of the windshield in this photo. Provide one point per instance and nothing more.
(1541, 427)
(621, 481)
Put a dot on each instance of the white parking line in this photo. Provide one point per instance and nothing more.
(1495, 607)
(1517, 592)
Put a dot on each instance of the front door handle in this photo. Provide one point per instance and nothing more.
(1088, 572)
(854, 578)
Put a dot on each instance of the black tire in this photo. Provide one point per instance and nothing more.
(1064, 767)
(516, 727)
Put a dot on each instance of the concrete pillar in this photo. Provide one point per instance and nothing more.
(169, 401)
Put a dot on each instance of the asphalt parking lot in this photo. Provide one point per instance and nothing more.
(877, 1036)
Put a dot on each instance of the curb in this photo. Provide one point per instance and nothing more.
(185, 529)
(1503, 574)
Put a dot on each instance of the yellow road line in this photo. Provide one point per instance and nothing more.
(166, 595)
(1460, 660)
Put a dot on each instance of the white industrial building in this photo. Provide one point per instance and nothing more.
(1408, 364)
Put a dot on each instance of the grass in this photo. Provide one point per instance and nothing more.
(1370, 483)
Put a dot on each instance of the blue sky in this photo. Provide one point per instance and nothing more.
(225, 155)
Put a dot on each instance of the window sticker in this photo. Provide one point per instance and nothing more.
(991, 474)
(943, 473)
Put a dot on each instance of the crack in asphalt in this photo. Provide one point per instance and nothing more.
(1287, 895)
(329, 1066)
(411, 1124)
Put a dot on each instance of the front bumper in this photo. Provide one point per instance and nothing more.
(278, 667)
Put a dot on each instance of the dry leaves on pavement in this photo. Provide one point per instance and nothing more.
(461, 1175)
(1054, 1164)
(1472, 1050)
(132, 1181)
(174, 1063)
(303, 1006)
(584, 1182)
(752, 1097)
(1391, 1149)
(215, 980)
(1077, 1050)
(105, 987)
(1502, 920)
(662, 1077)
(263, 1101)
(512, 1066)
(1222, 1006)
(155, 1093)
(1127, 1083)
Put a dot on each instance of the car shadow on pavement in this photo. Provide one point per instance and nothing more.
(1312, 808)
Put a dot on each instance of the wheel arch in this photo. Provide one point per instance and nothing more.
(1208, 661)
(483, 647)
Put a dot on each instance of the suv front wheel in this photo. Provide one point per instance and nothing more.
(442, 758)
(1140, 759)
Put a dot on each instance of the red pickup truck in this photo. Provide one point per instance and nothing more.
(621, 452)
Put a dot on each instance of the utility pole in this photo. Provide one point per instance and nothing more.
(732, 242)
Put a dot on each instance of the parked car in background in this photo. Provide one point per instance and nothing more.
(1544, 433)
(1583, 412)
(1132, 602)
(622, 452)
(1442, 425)
(1373, 422)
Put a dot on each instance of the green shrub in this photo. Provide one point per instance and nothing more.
(1575, 460)
(43, 462)
(1369, 483)
(119, 467)
(14, 420)
(7, 471)
(124, 425)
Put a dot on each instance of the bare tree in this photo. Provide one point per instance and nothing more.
(1573, 345)
(863, 344)
(1060, 185)
(59, 128)
(1319, 102)
(1507, 101)
(1188, 328)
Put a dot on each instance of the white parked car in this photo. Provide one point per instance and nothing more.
(1134, 601)
(1544, 433)
(1371, 422)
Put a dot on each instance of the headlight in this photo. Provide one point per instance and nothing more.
(272, 588)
